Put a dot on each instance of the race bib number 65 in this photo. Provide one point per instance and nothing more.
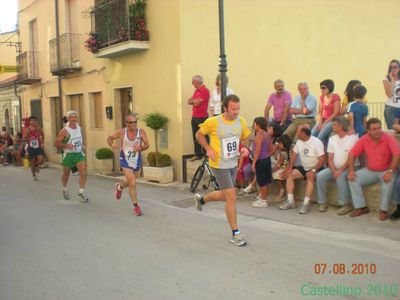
(230, 147)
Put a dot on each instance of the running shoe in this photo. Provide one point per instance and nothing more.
(197, 204)
(287, 205)
(83, 197)
(65, 195)
(76, 173)
(305, 208)
(260, 203)
(118, 193)
(250, 189)
(35, 178)
(137, 211)
(238, 240)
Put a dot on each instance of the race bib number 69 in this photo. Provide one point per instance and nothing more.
(230, 147)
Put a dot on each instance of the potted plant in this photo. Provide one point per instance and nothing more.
(104, 160)
(160, 165)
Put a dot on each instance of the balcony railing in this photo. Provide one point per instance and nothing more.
(28, 72)
(69, 57)
(375, 110)
(118, 25)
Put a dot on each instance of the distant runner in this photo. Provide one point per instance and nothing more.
(33, 136)
(71, 141)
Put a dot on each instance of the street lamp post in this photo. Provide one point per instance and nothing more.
(222, 56)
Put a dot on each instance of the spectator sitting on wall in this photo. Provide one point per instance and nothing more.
(383, 155)
(281, 101)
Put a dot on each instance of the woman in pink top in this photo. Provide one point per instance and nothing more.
(329, 108)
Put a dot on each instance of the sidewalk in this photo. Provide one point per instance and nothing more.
(367, 225)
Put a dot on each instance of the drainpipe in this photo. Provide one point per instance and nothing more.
(19, 104)
(58, 55)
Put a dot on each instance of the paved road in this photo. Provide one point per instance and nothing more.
(56, 249)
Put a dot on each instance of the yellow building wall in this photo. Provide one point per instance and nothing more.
(154, 75)
(296, 40)
(8, 52)
(92, 78)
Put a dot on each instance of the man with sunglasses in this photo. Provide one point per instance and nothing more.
(71, 141)
(133, 142)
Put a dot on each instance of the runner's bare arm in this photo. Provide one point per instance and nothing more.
(61, 135)
(203, 142)
(145, 142)
(115, 136)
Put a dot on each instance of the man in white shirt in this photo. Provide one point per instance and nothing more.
(312, 155)
(339, 147)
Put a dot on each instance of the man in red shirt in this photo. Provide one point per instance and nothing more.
(199, 102)
(383, 156)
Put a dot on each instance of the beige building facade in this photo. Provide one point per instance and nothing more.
(9, 100)
(303, 40)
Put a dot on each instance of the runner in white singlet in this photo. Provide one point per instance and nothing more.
(133, 142)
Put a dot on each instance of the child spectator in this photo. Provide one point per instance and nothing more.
(274, 131)
(244, 167)
(283, 149)
(358, 112)
(16, 150)
(261, 165)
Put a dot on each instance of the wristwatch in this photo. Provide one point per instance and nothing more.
(313, 170)
(390, 170)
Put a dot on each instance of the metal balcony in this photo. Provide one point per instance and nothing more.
(28, 72)
(69, 59)
(118, 28)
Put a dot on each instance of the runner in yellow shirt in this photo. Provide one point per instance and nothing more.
(226, 131)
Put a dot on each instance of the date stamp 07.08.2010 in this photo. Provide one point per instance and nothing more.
(373, 290)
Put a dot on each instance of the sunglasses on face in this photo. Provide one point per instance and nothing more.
(323, 87)
(394, 67)
(131, 122)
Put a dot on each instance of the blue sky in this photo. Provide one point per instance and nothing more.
(8, 15)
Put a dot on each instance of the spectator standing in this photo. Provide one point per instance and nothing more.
(349, 96)
(215, 101)
(392, 90)
(358, 112)
(261, 165)
(281, 101)
(199, 102)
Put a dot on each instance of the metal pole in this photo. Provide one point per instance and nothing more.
(58, 56)
(222, 56)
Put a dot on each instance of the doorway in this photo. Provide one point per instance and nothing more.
(123, 105)
(36, 110)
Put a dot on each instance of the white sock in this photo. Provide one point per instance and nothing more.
(282, 191)
(80, 191)
(65, 189)
(306, 200)
(290, 198)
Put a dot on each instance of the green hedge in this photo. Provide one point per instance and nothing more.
(104, 153)
(163, 160)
